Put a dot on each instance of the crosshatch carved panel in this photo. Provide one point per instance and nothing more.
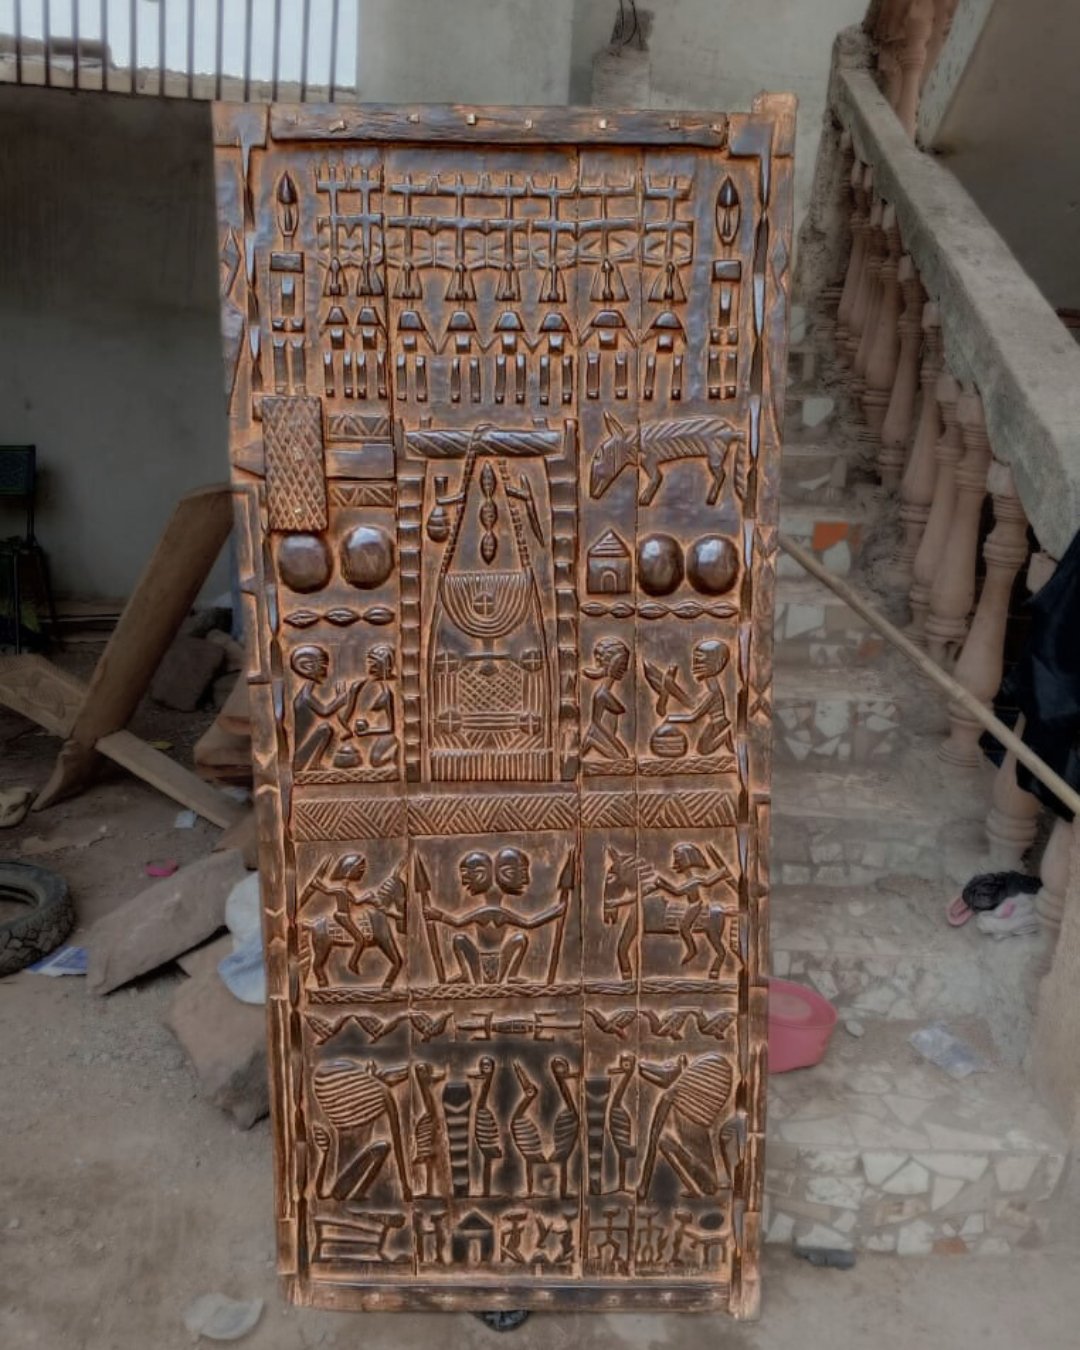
(505, 392)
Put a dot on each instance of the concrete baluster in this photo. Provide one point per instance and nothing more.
(875, 256)
(881, 361)
(890, 36)
(917, 484)
(860, 219)
(861, 302)
(1013, 817)
(1054, 875)
(947, 454)
(939, 31)
(900, 414)
(952, 591)
(827, 309)
(982, 660)
(912, 60)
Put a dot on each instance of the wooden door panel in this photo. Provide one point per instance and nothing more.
(505, 398)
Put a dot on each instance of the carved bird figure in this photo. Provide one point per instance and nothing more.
(619, 1022)
(524, 1130)
(619, 1124)
(486, 1130)
(566, 1126)
(427, 1132)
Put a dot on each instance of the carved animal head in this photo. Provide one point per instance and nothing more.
(529, 1089)
(617, 451)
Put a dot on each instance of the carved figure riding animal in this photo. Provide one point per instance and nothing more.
(687, 915)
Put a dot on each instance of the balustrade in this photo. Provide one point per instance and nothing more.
(981, 662)
(952, 591)
(900, 414)
(947, 453)
(883, 352)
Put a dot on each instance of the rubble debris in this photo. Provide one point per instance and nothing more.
(14, 804)
(225, 1040)
(165, 919)
(833, 1258)
(220, 1318)
(234, 651)
(185, 672)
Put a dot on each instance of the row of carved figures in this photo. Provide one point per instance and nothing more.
(460, 1141)
(932, 447)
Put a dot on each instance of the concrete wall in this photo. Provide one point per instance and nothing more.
(720, 53)
(465, 51)
(109, 349)
(1004, 116)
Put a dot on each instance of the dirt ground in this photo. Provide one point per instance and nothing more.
(123, 1196)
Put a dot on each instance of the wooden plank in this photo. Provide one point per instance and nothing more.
(127, 750)
(32, 686)
(462, 123)
(171, 580)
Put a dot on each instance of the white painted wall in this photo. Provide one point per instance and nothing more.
(720, 53)
(109, 349)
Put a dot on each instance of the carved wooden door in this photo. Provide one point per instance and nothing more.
(506, 390)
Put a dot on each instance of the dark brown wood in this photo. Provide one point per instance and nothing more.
(506, 395)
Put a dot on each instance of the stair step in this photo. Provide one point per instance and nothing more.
(834, 534)
(813, 626)
(886, 951)
(857, 716)
(877, 1150)
(915, 816)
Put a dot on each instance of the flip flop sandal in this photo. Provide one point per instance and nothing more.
(958, 911)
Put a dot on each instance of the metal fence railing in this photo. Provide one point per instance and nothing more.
(244, 50)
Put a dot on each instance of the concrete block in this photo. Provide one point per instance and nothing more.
(185, 673)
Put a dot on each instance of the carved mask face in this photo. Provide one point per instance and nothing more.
(475, 871)
(312, 663)
(512, 871)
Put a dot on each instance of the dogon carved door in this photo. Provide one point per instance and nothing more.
(506, 390)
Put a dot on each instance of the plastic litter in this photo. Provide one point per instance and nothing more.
(185, 820)
(220, 1318)
(165, 868)
(63, 961)
(243, 971)
(937, 1044)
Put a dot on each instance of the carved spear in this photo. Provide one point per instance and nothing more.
(423, 888)
(566, 889)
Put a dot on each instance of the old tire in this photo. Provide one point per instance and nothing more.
(47, 916)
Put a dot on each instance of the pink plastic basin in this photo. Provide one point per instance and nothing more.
(800, 1024)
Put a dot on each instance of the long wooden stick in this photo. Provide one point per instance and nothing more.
(956, 691)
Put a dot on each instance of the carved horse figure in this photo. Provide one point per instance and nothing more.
(652, 446)
(627, 876)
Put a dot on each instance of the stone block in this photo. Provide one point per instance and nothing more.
(225, 1041)
(162, 922)
(185, 672)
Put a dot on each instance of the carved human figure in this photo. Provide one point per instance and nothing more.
(688, 861)
(315, 705)
(611, 660)
(371, 719)
(361, 919)
(707, 665)
(490, 955)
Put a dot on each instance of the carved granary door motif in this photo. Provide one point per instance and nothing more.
(506, 390)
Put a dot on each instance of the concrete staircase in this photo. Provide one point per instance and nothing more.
(875, 1148)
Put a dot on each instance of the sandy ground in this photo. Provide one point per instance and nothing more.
(123, 1196)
